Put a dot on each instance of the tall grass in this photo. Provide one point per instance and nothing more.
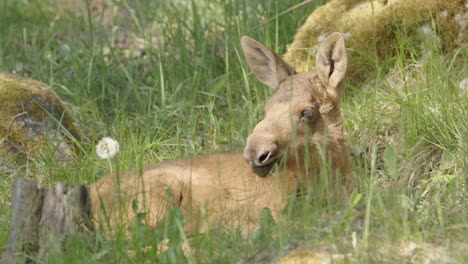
(183, 93)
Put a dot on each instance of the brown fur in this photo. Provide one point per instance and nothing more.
(223, 190)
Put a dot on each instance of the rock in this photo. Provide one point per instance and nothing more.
(306, 257)
(369, 25)
(386, 252)
(33, 118)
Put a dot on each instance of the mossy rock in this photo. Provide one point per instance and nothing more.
(32, 120)
(306, 257)
(369, 27)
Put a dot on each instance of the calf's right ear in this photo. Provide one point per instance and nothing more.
(267, 66)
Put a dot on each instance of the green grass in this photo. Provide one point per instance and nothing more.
(184, 95)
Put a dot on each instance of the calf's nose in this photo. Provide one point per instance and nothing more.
(259, 154)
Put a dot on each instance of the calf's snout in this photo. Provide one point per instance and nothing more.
(260, 152)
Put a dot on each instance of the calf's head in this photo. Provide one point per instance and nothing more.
(303, 107)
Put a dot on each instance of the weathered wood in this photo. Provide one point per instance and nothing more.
(26, 214)
(65, 212)
(43, 219)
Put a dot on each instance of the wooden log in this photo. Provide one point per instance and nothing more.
(43, 219)
(26, 214)
(65, 212)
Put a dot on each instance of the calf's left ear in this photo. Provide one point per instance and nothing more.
(331, 63)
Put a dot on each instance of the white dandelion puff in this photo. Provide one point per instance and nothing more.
(463, 85)
(427, 30)
(354, 240)
(107, 148)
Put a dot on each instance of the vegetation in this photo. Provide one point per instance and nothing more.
(182, 87)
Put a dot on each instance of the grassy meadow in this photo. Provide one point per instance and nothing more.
(168, 79)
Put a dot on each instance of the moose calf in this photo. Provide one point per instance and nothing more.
(228, 190)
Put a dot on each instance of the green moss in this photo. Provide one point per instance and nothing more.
(368, 26)
(43, 109)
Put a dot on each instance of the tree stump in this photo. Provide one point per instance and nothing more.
(25, 217)
(44, 218)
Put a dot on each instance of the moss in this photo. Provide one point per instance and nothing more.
(42, 108)
(368, 26)
(304, 256)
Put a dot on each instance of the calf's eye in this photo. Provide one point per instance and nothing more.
(306, 114)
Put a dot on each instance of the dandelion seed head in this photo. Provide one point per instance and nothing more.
(354, 240)
(107, 148)
(463, 85)
(426, 30)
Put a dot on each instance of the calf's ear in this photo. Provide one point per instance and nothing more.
(267, 66)
(331, 63)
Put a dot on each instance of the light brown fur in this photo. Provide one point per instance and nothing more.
(222, 190)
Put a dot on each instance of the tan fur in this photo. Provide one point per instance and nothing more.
(223, 190)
